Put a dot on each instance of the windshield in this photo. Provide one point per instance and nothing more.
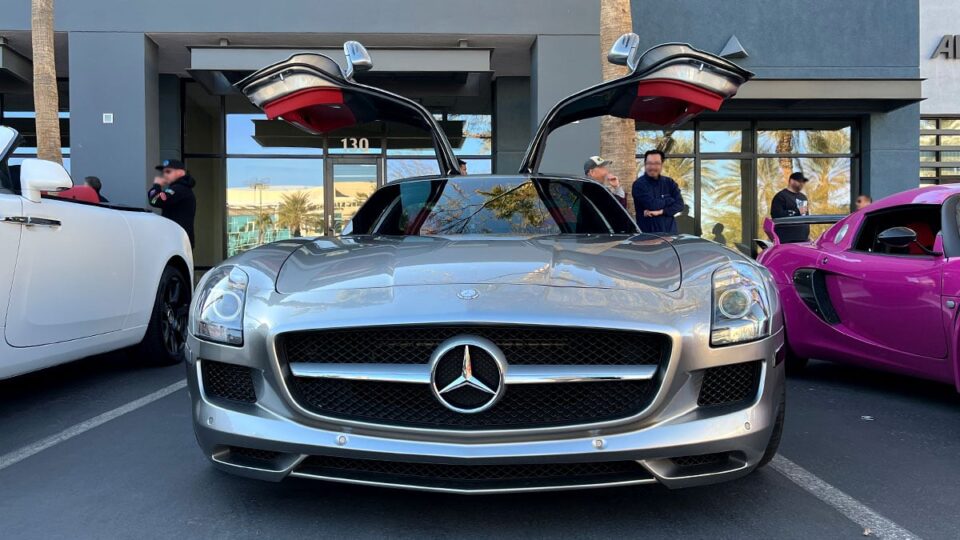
(492, 205)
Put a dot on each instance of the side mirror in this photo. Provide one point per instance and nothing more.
(897, 237)
(39, 175)
(624, 51)
(358, 59)
(347, 228)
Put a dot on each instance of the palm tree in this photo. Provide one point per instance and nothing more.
(262, 222)
(46, 102)
(618, 140)
(297, 212)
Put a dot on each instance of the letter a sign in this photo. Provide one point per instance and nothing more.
(947, 47)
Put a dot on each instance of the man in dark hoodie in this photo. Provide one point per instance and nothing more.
(172, 193)
(656, 197)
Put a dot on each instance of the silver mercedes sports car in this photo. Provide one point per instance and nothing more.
(481, 334)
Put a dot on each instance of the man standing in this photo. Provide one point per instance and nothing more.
(863, 201)
(94, 183)
(657, 198)
(172, 193)
(791, 202)
(595, 168)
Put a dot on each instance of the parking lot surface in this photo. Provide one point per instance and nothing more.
(867, 445)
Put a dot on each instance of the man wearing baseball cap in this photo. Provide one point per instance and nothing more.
(789, 201)
(172, 193)
(595, 168)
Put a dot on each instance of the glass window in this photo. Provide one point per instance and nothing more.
(950, 123)
(495, 208)
(928, 123)
(721, 196)
(470, 134)
(353, 183)
(950, 171)
(828, 190)
(950, 156)
(479, 166)
(805, 141)
(928, 140)
(721, 141)
(671, 142)
(928, 156)
(368, 138)
(950, 140)
(272, 199)
(928, 172)
(252, 133)
(409, 168)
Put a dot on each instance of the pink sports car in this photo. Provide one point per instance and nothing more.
(880, 288)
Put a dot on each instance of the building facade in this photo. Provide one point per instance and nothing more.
(837, 95)
(940, 109)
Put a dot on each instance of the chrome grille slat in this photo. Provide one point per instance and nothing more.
(420, 373)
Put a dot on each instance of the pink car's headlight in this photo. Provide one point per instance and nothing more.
(741, 306)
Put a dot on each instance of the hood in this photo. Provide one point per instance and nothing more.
(667, 85)
(312, 92)
(607, 262)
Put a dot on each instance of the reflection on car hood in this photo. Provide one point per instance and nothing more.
(607, 262)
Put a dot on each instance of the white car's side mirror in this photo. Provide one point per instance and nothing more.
(39, 175)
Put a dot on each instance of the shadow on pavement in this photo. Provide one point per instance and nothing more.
(877, 381)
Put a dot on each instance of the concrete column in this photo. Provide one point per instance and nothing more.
(562, 65)
(511, 118)
(115, 73)
(891, 152)
(169, 126)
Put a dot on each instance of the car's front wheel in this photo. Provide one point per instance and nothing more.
(163, 343)
(777, 434)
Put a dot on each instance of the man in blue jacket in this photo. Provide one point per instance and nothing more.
(656, 197)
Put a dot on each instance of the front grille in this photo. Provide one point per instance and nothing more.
(227, 381)
(522, 406)
(730, 384)
(705, 459)
(475, 476)
(521, 345)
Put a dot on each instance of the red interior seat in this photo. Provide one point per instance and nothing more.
(925, 237)
(79, 193)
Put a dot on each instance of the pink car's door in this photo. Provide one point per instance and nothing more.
(891, 297)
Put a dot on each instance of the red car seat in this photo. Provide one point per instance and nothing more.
(79, 193)
(925, 237)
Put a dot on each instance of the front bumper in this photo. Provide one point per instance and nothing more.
(677, 432)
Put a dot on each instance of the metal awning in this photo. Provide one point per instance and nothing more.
(16, 71)
(218, 68)
(852, 95)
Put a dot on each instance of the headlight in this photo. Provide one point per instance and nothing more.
(219, 311)
(741, 307)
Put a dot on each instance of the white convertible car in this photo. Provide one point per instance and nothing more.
(80, 278)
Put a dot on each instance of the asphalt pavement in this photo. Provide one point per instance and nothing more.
(887, 443)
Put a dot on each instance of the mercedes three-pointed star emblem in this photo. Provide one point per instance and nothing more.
(466, 378)
(460, 393)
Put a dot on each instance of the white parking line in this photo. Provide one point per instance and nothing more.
(853, 509)
(17, 456)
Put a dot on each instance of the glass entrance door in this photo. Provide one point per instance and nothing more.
(353, 180)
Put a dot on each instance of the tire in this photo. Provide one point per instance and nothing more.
(163, 343)
(777, 433)
(795, 364)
